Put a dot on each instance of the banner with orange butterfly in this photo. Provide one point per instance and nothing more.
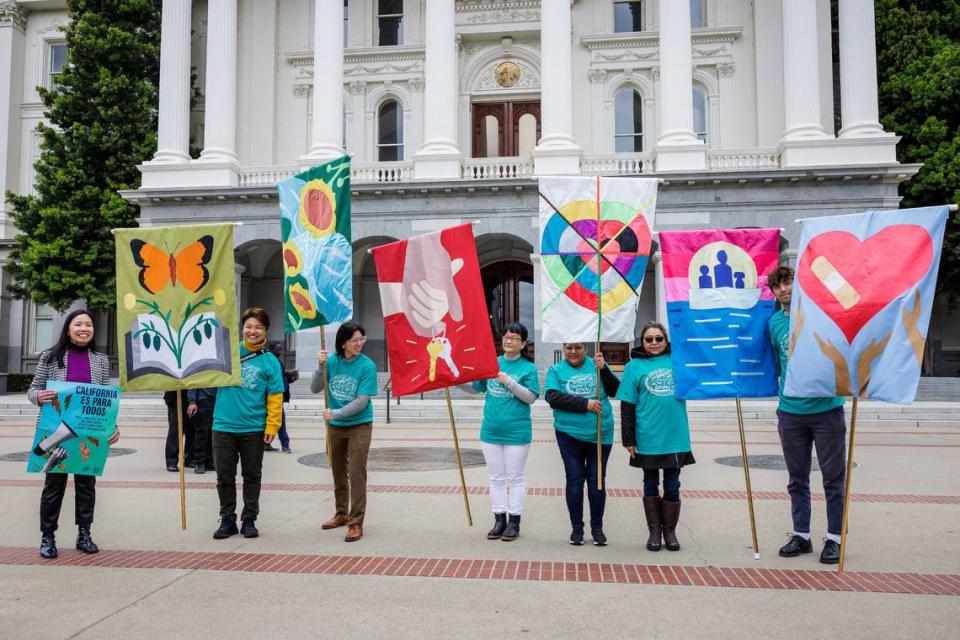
(177, 308)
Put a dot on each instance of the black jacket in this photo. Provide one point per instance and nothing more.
(578, 404)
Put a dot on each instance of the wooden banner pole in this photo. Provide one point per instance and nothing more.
(599, 428)
(456, 448)
(326, 392)
(848, 481)
(183, 492)
(746, 475)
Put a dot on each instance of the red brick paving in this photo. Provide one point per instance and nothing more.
(612, 492)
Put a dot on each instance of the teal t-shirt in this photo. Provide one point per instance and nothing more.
(348, 379)
(506, 419)
(662, 425)
(580, 381)
(779, 325)
(243, 409)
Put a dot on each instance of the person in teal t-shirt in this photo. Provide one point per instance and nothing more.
(804, 423)
(506, 430)
(244, 418)
(655, 431)
(571, 391)
(351, 381)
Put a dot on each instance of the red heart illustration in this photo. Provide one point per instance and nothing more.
(851, 280)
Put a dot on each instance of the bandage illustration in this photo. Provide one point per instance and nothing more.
(835, 283)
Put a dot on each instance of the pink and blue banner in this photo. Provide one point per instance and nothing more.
(718, 304)
(861, 303)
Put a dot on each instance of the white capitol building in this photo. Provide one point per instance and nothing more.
(449, 109)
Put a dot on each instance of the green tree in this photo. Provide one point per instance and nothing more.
(918, 62)
(102, 113)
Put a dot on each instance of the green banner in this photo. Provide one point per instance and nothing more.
(177, 308)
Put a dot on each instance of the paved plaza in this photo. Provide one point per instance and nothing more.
(420, 571)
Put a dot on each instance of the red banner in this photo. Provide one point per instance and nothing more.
(434, 312)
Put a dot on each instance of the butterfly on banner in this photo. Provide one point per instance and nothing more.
(159, 268)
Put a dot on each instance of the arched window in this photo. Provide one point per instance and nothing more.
(700, 112)
(628, 121)
(390, 131)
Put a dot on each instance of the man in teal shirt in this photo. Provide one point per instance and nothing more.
(804, 423)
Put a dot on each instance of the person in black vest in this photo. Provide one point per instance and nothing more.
(172, 452)
(200, 404)
(289, 375)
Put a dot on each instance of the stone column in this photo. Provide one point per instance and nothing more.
(219, 157)
(327, 126)
(556, 152)
(439, 157)
(801, 84)
(173, 130)
(678, 148)
(858, 70)
(13, 24)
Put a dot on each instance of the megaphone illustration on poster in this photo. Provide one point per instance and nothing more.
(58, 455)
(55, 439)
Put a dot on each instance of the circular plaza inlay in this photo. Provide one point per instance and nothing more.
(22, 456)
(763, 462)
(407, 459)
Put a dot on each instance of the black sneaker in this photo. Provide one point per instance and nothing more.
(795, 547)
(830, 553)
(248, 529)
(576, 535)
(599, 539)
(228, 527)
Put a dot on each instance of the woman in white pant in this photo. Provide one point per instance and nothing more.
(506, 431)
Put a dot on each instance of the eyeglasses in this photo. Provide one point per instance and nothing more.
(652, 339)
(357, 340)
(509, 338)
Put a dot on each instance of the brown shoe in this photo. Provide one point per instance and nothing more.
(336, 521)
(354, 533)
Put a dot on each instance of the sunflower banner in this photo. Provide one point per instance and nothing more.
(317, 254)
(177, 308)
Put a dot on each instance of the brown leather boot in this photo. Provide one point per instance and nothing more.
(652, 508)
(354, 533)
(671, 514)
(338, 520)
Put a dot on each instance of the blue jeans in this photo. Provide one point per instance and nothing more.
(580, 464)
(671, 483)
(798, 435)
(282, 433)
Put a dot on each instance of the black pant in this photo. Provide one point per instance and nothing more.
(202, 422)
(798, 435)
(52, 497)
(172, 451)
(580, 465)
(228, 448)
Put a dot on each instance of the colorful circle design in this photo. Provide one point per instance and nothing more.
(569, 252)
(318, 208)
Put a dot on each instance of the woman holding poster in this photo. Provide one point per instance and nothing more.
(571, 391)
(245, 418)
(655, 432)
(73, 360)
(352, 381)
(507, 431)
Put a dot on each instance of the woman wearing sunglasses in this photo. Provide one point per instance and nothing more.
(655, 432)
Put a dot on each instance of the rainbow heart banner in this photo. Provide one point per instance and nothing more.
(861, 303)
(595, 236)
(317, 254)
(718, 305)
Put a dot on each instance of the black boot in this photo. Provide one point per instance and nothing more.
(227, 528)
(499, 524)
(671, 514)
(599, 539)
(512, 532)
(248, 529)
(576, 535)
(652, 509)
(84, 541)
(48, 546)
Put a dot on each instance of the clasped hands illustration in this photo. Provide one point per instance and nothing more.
(426, 295)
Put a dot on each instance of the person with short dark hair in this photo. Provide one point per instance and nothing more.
(72, 359)
(655, 431)
(804, 423)
(571, 390)
(244, 418)
(507, 431)
(352, 382)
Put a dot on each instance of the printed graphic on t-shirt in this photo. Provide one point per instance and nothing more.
(784, 344)
(659, 382)
(495, 388)
(249, 376)
(583, 385)
(344, 388)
